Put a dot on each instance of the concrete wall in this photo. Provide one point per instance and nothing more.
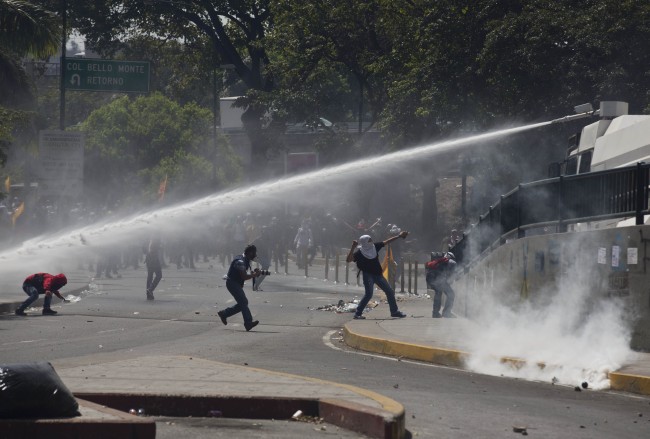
(532, 268)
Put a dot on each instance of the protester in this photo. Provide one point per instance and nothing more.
(302, 243)
(42, 283)
(237, 275)
(438, 271)
(364, 253)
(454, 238)
(154, 266)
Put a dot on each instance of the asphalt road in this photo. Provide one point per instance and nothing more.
(115, 322)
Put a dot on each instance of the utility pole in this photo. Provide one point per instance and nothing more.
(360, 106)
(64, 39)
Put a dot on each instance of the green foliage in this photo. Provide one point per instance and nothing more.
(234, 30)
(133, 143)
(25, 29)
(323, 53)
(10, 120)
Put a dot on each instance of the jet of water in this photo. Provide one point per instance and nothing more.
(178, 219)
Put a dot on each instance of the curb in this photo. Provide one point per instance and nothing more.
(630, 383)
(445, 357)
(111, 424)
(370, 421)
(453, 358)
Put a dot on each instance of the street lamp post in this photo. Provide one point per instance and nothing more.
(215, 112)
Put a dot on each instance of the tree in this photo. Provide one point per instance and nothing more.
(25, 29)
(235, 29)
(133, 143)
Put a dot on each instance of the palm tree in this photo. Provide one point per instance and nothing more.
(25, 29)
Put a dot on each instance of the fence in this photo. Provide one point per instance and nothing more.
(407, 276)
(553, 204)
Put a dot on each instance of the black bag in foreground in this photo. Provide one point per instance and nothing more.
(34, 390)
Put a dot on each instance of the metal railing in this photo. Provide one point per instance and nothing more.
(553, 204)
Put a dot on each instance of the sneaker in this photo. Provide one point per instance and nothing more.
(222, 317)
(149, 295)
(436, 315)
(358, 317)
(251, 325)
(20, 312)
(49, 312)
(398, 314)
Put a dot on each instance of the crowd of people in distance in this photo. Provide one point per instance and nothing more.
(274, 237)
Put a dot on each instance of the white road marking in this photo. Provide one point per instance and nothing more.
(25, 341)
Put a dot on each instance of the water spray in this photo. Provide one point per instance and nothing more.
(174, 218)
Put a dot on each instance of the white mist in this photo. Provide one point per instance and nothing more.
(576, 335)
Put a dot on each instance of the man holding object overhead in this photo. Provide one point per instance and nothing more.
(364, 253)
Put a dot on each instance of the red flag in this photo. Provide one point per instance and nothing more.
(161, 189)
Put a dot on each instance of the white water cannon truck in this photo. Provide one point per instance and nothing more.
(587, 233)
(616, 140)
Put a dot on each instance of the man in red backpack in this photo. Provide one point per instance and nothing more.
(437, 272)
(42, 283)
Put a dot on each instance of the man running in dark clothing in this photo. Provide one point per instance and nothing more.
(237, 275)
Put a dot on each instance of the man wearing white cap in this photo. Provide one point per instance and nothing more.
(364, 253)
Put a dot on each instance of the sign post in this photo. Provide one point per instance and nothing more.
(106, 75)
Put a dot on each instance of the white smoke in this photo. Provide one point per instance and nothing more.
(570, 335)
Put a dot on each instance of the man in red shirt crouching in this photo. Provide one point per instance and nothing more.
(42, 283)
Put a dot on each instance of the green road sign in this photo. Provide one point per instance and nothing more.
(106, 75)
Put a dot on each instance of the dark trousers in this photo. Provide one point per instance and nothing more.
(369, 281)
(440, 285)
(153, 269)
(32, 292)
(237, 292)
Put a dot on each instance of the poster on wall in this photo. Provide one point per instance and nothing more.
(60, 163)
(602, 255)
(632, 256)
(616, 253)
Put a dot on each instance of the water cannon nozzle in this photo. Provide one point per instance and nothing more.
(591, 112)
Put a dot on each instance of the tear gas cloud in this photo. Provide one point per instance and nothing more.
(572, 334)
